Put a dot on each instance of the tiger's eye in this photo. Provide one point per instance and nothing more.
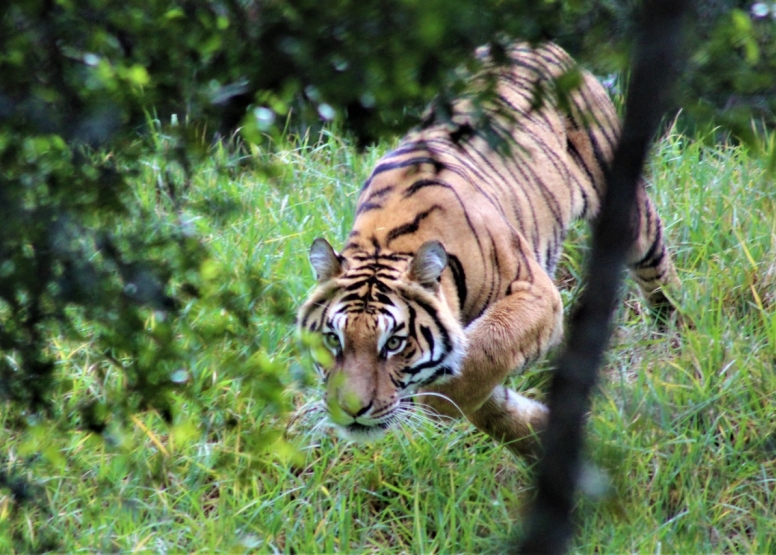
(331, 341)
(394, 343)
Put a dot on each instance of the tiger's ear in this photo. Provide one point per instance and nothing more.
(326, 263)
(427, 264)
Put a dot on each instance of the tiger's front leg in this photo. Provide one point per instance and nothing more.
(512, 333)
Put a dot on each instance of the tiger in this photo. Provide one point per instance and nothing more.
(444, 286)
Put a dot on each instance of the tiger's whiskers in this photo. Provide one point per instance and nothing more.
(309, 421)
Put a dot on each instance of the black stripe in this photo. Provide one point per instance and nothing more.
(388, 166)
(381, 192)
(384, 299)
(433, 315)
(411, 227)
(647, 259)
(459, 277)
(422, 183)
(367, 206)
(425, 331)
(440, 372)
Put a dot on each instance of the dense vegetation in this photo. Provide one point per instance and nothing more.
(681, 444)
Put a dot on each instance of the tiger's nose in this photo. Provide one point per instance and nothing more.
(346, 400)
(353, 405)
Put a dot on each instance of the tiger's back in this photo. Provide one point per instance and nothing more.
(453, 248)
(489, 209)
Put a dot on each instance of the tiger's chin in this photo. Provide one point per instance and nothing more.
(362, 433)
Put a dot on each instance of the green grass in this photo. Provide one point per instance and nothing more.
(682, 438)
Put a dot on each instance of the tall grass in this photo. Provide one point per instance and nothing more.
(682, 438)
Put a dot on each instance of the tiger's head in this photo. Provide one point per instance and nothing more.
(387, 328)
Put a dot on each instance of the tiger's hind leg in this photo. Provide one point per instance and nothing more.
(648, 259)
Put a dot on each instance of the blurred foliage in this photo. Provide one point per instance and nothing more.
(83, 79)
(85, 70)
(731, 80)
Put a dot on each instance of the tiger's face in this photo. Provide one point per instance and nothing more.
(387, 330)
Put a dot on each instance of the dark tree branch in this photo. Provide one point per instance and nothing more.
(549, 525)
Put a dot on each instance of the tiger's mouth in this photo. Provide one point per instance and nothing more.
(356, 431)
(373, 428)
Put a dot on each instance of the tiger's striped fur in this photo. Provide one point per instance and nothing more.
(445, 283)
